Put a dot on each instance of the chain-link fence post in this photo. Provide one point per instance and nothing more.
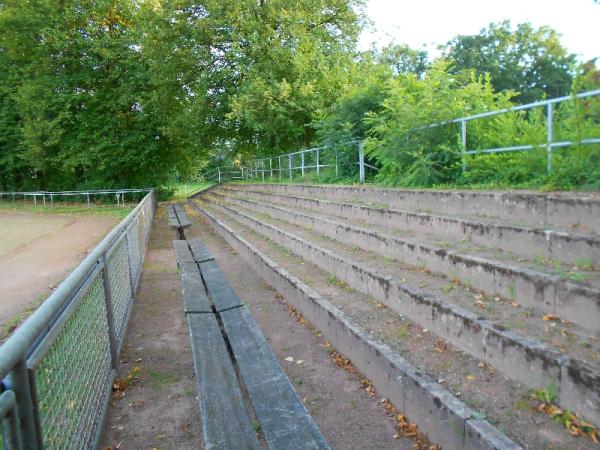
(19, 381)
(108, 297)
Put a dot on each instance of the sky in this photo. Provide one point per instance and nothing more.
(427, 23)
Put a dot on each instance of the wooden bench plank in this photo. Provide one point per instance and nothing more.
(182, 253)
(194, 295)
(173, 221)
(199, 250)
(225, 423)
(284, 420)
(193, 292)
(221, 293)
(184, 221)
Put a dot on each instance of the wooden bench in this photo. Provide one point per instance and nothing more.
(178, 219)
(216, 317)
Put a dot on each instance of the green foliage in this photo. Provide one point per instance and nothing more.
(118, 93)
(409, 152)
(403, 59)
(73, 98)
(526, 60)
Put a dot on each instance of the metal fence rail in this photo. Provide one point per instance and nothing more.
(300, 162)
(54, 195)
(57, 369)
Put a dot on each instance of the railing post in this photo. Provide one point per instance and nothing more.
(336, 162)
(318, 162)
(279, 166)
(290, 164)
(129, 264)
(549, 136)
(219, 172)
(19, 381)
(463, 137)
(262, 169)
(108, 298)
(361, 163)
(271, 166)
(302, 164)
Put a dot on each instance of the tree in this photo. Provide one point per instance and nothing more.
(403, 59)
(114, 92)
(529, 61)
(75, 82)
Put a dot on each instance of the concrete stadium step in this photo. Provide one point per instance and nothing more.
(583, 273)
(559, 245)
(570, 339)
(392, 335)
(548, 293)
(517, 356)
(578, 212)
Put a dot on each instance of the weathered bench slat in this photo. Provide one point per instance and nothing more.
(183, 254)
(173, 221)
(285, 422)
(194, 295)
(184, 221)
(222, 294)
(199, 250)
(225, 423)
(195, 299)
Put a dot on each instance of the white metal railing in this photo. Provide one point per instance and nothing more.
(288, 164)
(52, 195)
(550, 143)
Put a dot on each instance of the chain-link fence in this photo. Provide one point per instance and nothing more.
(57, 369)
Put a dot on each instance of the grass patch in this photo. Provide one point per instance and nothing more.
(182, 190)
(160, 379)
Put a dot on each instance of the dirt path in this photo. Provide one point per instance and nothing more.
(37, 252)
(158, 407)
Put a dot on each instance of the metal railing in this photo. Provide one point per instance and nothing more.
(292, 164)
(52, 195)
(550, 143)
(289, 164)
(57, 368)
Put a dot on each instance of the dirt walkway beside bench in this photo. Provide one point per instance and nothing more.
(154, 404)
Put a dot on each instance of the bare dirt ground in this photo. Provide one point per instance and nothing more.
(37, 251)
(155, 405)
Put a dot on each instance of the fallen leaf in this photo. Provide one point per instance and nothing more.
(300, 361)
(289, 359)
(549, 317)
(470, 377)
